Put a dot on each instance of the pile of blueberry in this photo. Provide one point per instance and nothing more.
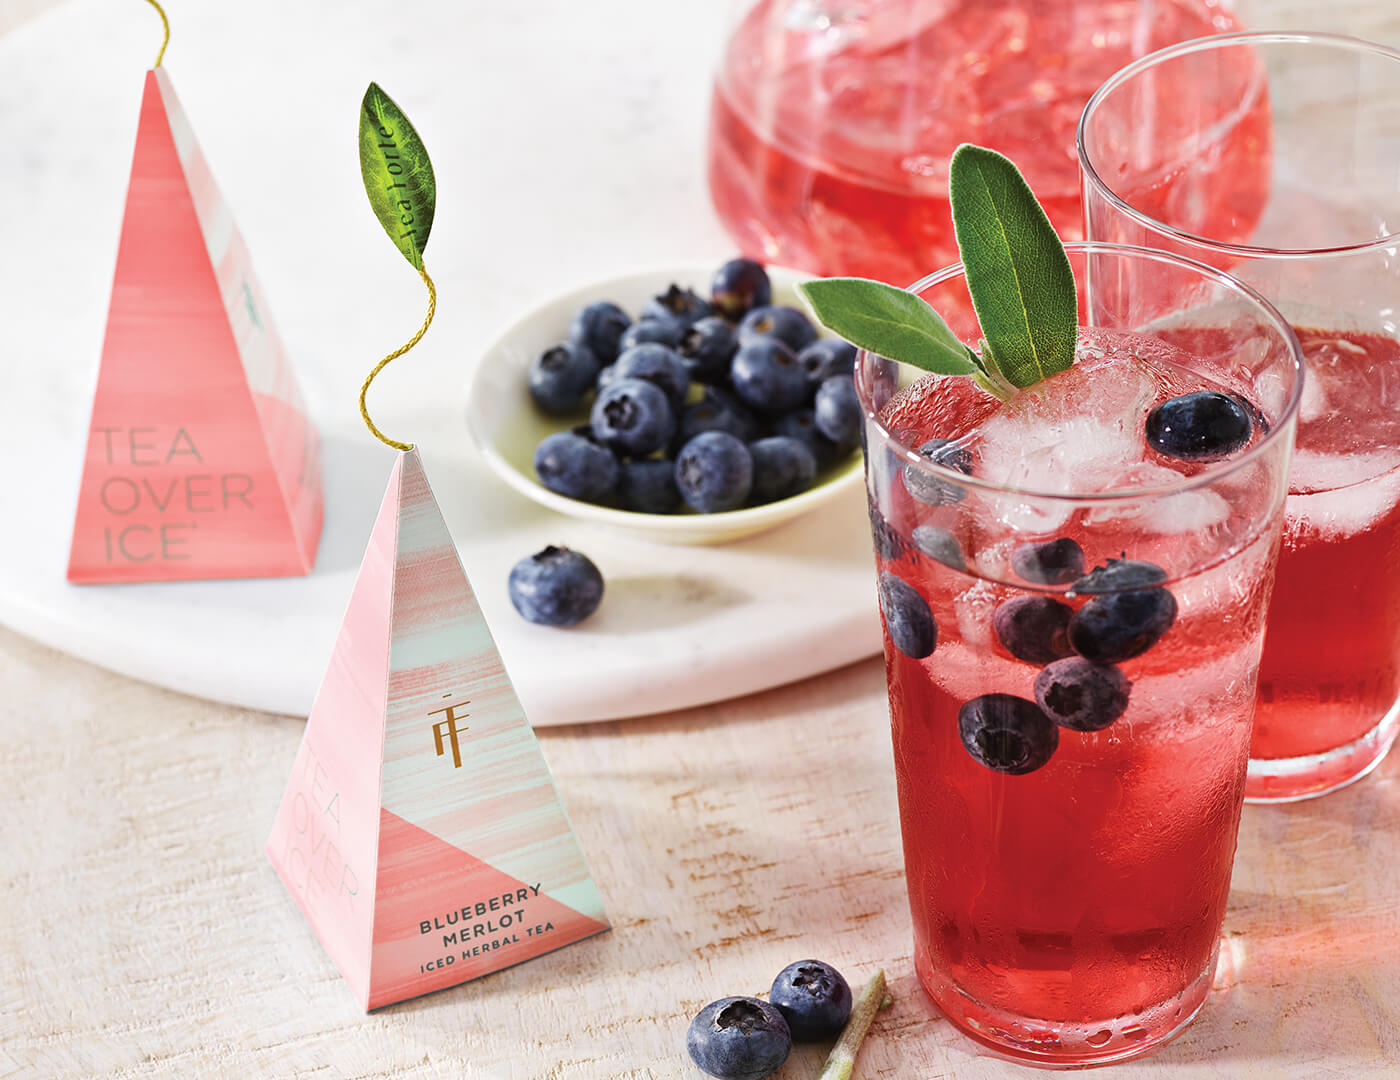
(746, 1038)
(712, 404)
(1079, 686)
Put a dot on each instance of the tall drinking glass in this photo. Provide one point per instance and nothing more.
(1073, 624)
(1317, 231)
(833, 120)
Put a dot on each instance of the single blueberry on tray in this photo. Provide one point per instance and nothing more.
(714, 472)
(786, 324)
(1048, 562)
(561, 376)
(940, 545)
(599, 326)
(656, 364)
(717, 410)
(738, 285)
(1007, 734)
(782, 466)
(555, 587)
(908, 619)
(632, 416)
(676, 303)
(651, 331)
(827, 357)
(573, 465)
(738, 1038)
(706, 349)
(814, 998)
(648, 486)
(837, 410)
(766, 375)
(1033, 628)
(1119, 574)
(934, 490)
(1118, 626)
(1202, 426)
(1081, 695)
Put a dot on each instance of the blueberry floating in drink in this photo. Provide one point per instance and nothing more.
(933, 490)
(555, 587)
(1033, 628)
(1119, 574)
(738, 1038)
(1113, 627)
(1048, 562)
(1081, 695)
(940, 545)
(1204, 426)
(814, 998)
(1007, 734)
(908, 620)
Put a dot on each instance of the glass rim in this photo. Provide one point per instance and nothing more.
(1203, 44)
(1210, 475)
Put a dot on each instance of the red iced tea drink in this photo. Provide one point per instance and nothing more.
(832, 124)
(1073, 624)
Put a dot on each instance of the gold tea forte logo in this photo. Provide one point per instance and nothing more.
(424, 851)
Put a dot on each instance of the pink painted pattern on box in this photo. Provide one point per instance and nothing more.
(201, 462)
(466, 806)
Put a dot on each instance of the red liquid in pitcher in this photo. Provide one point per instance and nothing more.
(832, 123)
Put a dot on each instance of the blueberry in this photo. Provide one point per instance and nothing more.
(782, 466)
(940, 545)
(1033, 628)
(1007, 734)
(738, 285)
(787, 324)
(907, 617)
(706, 349)
(632, 416)
(648, 486)
(814, 998)
(889, 544)
(802, 424)
(714, 471)
(837, 410)
(1048, 562)
(934, 490)
(1199, 427)
(1081, 695)
(561, 375)
(656, 364)
(676, 303)
(766, 375)
(1120, 625)
(717, 410)
(575, 466)
(606, 374)
(1119, 574)
(555, 587)
(825, 358)
(738, 1038)
(599, 326)
(651, 331)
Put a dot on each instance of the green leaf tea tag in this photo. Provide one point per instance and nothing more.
(397, 173)
(1017, 271)
(888, 322)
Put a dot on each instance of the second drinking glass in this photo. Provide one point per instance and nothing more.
(1073, 627)
(1273, 157)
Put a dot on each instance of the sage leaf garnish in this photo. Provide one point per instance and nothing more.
(1017, 271)
(889, 322)
(397, 173)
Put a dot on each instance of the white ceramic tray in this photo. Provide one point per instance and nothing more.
(679, 627)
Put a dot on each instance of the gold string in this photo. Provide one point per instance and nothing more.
(364, 388)
(165, 23)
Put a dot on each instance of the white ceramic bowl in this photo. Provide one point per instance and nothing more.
(508, 427)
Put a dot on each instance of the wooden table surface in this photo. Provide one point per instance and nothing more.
(143, 934)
